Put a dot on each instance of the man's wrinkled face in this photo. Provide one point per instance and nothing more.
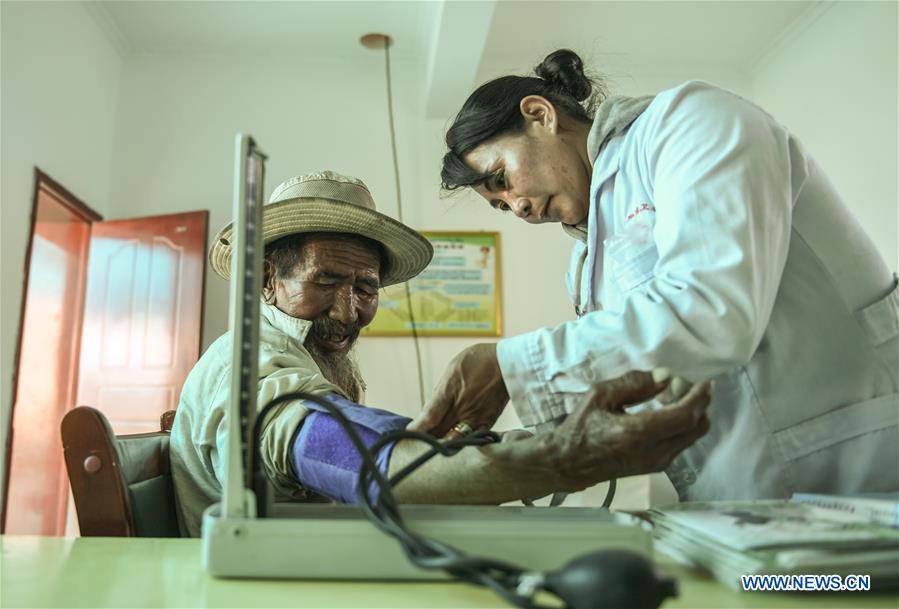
(335, 286)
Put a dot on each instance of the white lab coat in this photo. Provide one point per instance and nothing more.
(718, 248)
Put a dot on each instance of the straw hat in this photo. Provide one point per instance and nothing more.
(328, 202)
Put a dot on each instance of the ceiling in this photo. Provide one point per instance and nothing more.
(725, 33)
(451, 39)
(728, 33)
(328, 28)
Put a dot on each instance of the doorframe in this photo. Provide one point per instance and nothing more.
(81, 209)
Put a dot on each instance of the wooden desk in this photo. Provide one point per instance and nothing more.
(117, 572)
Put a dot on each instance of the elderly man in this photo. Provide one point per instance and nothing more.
(327, 253)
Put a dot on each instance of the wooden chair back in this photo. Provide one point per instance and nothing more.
(122, 485)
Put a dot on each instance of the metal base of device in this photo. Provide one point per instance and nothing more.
(302, 541)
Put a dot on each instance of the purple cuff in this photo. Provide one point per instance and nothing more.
(324, 457)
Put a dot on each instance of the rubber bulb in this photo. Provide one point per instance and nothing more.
(610, 579)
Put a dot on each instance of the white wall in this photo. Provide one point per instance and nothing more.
(175, 126)
(178, 117)
(173, 152)
(833, 82)
(156, 135)
(58, 99)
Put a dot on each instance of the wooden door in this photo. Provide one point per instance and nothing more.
(142, 316)
(36, 486)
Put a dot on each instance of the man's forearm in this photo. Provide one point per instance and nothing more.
(490, 474)
(327, 462)
(598, 441)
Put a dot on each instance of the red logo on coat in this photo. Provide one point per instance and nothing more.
(639, 210)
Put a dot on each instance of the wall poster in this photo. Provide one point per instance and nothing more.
(457, 295)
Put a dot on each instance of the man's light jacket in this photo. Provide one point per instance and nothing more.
(199, 441)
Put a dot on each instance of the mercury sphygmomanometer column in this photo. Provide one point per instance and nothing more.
(246, 286)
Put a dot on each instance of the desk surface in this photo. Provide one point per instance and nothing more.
(115, 572)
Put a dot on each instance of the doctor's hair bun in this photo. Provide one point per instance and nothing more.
(563, 70)
(494, 109)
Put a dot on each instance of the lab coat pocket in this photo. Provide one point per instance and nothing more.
(845, 450)
(633, 254)
(880, 322)
(880, 319)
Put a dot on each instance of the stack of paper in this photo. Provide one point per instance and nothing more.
(731, 539)
(879, 508)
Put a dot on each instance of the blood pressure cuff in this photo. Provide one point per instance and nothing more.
(324, 457)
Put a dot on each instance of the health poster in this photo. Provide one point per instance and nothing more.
(457, 295)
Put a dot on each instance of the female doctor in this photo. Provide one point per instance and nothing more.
(706, 240)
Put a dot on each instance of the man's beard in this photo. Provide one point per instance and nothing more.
(339, 367)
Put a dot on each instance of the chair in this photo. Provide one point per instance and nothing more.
(122, 485)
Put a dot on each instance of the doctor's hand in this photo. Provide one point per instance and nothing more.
(601, 440)
(470, 396)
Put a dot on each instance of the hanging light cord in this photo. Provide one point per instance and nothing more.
(399, 207)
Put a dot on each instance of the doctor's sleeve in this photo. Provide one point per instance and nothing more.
(721, 173)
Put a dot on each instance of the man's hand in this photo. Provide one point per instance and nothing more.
(471, 391)
(600, 440)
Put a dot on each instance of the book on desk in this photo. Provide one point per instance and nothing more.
(735, 538)
(878, 508)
